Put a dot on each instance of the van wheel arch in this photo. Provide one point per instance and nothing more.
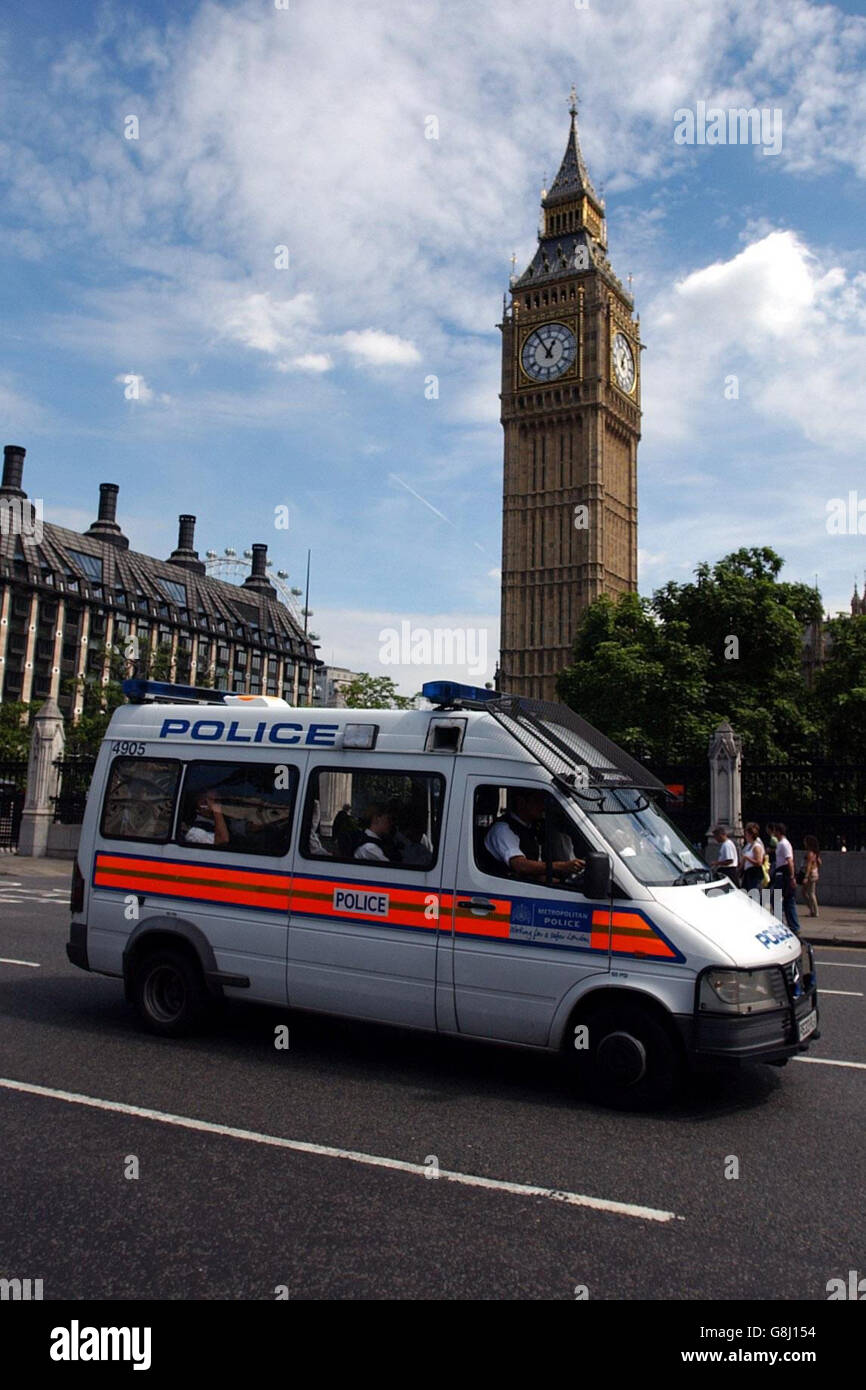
(176, 934)
(639, 1058)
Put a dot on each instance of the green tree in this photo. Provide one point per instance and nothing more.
(16, 723)
(374, 692)
(658, 675)
(840, 691)
(638, 680)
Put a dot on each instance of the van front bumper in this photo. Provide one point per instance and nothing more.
(763, 1037)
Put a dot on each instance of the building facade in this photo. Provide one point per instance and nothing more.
(77, 608)
(571, 419)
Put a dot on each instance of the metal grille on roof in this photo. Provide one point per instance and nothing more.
(562, 742)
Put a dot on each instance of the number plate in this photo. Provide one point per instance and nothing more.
(807, 1025)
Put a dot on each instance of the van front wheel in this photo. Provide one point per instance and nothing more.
(630, 1058)
(169, 994)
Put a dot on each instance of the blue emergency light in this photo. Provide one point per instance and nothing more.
(451, 692)
(138, 690)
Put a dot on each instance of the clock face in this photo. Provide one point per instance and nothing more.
(548, 352)
(623, 363)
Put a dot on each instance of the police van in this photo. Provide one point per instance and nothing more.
(492, 868)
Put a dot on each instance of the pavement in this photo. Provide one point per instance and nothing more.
(834, 926)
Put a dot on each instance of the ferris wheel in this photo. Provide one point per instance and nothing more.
(233, 568)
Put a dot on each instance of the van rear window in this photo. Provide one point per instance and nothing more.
(373, 817)
(139, 801)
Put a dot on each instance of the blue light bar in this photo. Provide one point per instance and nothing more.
(138, 691)
(451, 692)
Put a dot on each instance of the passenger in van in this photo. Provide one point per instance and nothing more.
(515, 839)
(345, 831)
(377, 845)
(209, 826)
(413, 843)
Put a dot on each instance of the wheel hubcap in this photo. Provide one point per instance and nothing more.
(623, 1059)
(164, 994)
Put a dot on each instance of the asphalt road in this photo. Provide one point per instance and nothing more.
(215, 1215)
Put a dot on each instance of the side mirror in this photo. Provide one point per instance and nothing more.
(596, 875)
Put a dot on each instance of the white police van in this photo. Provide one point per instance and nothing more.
(493, 868)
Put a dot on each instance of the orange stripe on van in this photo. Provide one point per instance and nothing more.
(630, 934)
(201, 882)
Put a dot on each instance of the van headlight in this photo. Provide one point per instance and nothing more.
(742, 991)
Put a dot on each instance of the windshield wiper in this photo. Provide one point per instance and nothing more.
(694, 876)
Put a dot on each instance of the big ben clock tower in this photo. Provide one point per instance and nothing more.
(571, 416)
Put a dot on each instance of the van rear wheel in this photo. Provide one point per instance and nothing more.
(630, 1059)
(169, 994)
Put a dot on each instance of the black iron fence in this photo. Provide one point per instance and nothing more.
(13, 787)
(827, 800)
(76, 773)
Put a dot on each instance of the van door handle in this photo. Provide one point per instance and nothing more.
(480, 905)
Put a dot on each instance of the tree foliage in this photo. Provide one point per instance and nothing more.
(374, 692)
(659, 674)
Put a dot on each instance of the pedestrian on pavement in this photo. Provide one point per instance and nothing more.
(752, 858)
(785, 878)
(811, 873)
(727, 859)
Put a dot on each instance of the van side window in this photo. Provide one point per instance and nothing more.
(373, 817)
(514, 828)
(241, 808)
(139, 799)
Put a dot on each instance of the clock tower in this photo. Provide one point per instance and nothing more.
(571, 417)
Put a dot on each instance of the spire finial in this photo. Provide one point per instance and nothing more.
(513, 261)
(572, 103)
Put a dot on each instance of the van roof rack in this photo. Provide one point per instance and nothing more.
(559, 739)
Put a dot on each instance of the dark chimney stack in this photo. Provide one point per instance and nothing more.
(105, 528)
(258, 577)
(13, 471)
(108, 501)
(186, 553)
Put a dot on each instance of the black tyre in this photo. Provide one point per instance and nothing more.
(631, 1060)
(169, 993)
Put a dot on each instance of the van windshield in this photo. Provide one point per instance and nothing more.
(644, 839)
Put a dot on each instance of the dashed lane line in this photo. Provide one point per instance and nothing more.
(515, 1189)
(831, 1062)
(854, 993)
(34, 964)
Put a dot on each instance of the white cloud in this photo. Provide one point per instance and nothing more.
(308, 362)
(377, 349)
(785, 332)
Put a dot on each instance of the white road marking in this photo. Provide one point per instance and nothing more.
(34, 964)
(842, 964)
(829, 1062)
(855, 993)
(517, 1189)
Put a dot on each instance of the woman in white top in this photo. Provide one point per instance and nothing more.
(752, 858)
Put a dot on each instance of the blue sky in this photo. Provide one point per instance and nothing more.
(304, 127)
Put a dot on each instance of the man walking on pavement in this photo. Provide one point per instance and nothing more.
(785, 878)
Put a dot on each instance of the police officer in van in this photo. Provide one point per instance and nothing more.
(515, 839)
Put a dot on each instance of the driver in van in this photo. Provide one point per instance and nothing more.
(515, 838)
